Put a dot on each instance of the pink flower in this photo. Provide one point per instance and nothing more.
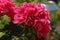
(31, 14)
(1, 8)
(42, 27)
(3, 1)
(20, 18)
(9, 9)
(34, 15)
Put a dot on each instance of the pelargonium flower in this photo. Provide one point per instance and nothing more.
(19, 18)
(3, 1)
(31, 14)
(42, 27)
(34, 15)
(1, 8)
(9, 9)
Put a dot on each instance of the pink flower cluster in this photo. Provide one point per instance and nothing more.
(8, 7)
(31, 14)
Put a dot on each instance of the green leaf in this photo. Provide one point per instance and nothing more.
(5, 20)
(2, 34)
(1, 26)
